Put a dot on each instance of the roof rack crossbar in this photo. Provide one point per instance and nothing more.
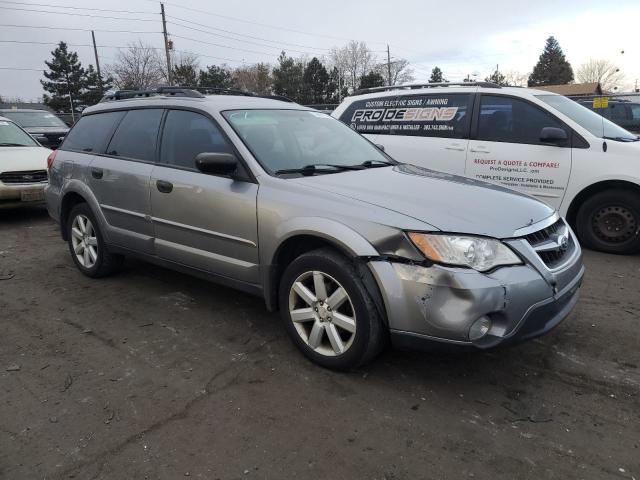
(414, 86)
(169, 91)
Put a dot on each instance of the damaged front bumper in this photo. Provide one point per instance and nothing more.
(442, 304)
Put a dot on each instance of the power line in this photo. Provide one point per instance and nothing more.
(77, 29)
(77, 8)
(241, 34)
(221, 46)
(80, 14)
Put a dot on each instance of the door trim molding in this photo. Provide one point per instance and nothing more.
(122, 210)
(205, 231)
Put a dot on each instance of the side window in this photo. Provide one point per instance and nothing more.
(433, 115)
(92, 132)
(137, 135)
(186, 134)
(618, 111)
(635, 111)
(511, 120)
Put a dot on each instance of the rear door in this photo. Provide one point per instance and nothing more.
(428, 130)
(120, 179)
(203, 221)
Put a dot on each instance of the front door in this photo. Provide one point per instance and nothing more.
(202, 221)
(507, 149)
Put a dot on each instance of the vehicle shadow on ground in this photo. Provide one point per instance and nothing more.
(21, 215)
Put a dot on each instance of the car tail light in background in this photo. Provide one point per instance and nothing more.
(50, 159)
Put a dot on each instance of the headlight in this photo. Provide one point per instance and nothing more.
(479, 253)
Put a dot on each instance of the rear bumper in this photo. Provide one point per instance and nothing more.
(439, 305)
(11, 196)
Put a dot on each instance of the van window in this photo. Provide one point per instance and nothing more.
(511, 120)
(92, 132)
(433, 115)
(618, 111)
(185, 135)
(635, 111)
(137, 135)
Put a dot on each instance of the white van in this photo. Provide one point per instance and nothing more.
(533, 141)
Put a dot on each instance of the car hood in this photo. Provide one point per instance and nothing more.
(62, 130)
(17, 159)
(450, 203)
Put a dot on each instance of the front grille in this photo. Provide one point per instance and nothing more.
(29, 176)
(553, 244)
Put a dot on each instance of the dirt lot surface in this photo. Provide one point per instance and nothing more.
(153, 374)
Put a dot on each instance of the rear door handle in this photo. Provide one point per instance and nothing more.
(455, 146)
(97, 173)
(479, 150)
(164, 186)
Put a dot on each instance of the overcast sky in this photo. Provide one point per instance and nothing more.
(460, 37)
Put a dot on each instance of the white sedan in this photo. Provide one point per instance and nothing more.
(23, 167)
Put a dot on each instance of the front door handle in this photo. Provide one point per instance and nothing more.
(455, 146)
(164, 186)
(97, 173)
(479, 150)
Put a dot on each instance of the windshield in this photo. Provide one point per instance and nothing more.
(13, 136)
(35, 119)
(295, 139)
(596, 124)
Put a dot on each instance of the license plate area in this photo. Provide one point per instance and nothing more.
(32, 195)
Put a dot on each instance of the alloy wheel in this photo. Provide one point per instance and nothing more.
(84, 241)
(322, 313)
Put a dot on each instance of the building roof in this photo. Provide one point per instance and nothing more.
(573, 89)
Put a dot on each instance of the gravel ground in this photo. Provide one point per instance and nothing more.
(154, 374)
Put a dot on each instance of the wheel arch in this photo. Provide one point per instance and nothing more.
(75, 193)
(585, 193)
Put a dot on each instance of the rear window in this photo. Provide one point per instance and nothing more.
(92, 132)
(434, 115)
(137, 135)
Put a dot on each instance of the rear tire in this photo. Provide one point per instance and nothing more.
(86, 244)
(328, 312)
(609, 222)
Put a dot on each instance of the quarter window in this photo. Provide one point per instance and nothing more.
(137, 135)
(511, 120)
(92, 132)
(186, 134)
(433, 115)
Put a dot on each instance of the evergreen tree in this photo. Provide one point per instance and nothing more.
(287, 78)
(552, 67)
(371, 79)
(65, 80)
(93, 90)
(216, 77)
(185, 75)
(315, 79)
(498, 78)
(333, 95)
(436, 76)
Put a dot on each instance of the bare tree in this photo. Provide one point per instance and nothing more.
(353, 61)
(400, 72)
(514, 78)
(600, 70)
(254, 78)
(140, 66)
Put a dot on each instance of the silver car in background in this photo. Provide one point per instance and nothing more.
(290, 204)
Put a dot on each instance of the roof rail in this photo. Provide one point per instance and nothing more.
(414, 86)
(167, 91)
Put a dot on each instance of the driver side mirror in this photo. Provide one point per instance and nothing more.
(216, 163)
(554, 136)
(379, 147)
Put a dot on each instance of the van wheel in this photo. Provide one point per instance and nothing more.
(610, 222)
(87, 246)
(328, 312)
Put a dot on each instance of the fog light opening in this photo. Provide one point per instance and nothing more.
(479, 328)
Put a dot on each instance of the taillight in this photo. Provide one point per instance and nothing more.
(50, 159)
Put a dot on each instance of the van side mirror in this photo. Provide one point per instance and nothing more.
(553, 136)
(217, 163)
(379, 147)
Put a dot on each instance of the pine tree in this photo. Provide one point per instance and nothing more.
(315, 79)
(287, 78)
(498, 78)
(216, 77)
(93, 88)
(65, 79)
(552, 67)
(371, 79)
(436, 76)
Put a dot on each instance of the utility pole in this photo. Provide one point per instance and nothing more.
(166, 43)
(389, 65)
(95, 52)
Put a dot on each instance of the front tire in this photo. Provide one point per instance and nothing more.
(86, 244)
(609, 222)
(328, 312)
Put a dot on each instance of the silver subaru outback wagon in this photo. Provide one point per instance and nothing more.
(354, 248)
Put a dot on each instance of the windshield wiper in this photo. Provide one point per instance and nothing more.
(376, 163)
(313, 169)
(13, 145)
(622, 139)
